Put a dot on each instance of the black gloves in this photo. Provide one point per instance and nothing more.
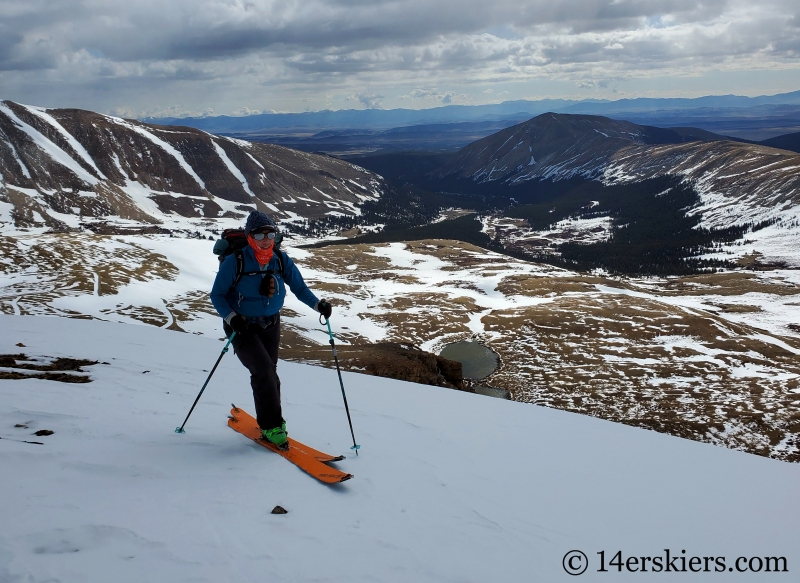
(239, 324)
(325, 308)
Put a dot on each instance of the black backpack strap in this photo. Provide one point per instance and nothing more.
(281, 263)
(239, 267)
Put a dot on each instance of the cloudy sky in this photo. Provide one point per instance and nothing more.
(181, 57)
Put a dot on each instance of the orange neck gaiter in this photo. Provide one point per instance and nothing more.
(263, 256)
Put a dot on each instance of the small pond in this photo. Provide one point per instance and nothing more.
(478, 361)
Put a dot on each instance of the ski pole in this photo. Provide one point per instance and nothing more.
(224, 350)
(355, 447)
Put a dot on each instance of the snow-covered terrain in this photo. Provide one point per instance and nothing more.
(449, 486)
(514, 232)
(711, 357)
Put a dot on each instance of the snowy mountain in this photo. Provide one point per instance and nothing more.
(448, 486)
(67, 168)
(738, 183)
(712, 357)
(555, 146)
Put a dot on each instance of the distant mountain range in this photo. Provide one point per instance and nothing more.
(64, 168)
(752, 118)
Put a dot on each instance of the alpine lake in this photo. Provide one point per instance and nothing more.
(478, 362)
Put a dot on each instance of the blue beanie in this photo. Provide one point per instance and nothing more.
(258, 220)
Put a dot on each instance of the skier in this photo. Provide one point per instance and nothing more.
(251, 308)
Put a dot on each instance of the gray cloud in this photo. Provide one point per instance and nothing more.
(368, 100)
(435, 96)
(182, 29)
(369, 51)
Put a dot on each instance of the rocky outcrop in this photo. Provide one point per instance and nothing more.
(404, 362)
(401, 361)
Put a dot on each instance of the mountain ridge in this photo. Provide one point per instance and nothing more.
(739, 182)
(789, 142)
(57, 165)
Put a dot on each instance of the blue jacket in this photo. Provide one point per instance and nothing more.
(245, 298)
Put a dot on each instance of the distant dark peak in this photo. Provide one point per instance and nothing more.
(789, 142)
(641, 134)
(562, 125)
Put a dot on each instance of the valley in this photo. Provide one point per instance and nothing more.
(114, 220)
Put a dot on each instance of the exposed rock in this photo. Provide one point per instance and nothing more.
(60, 377)
(21, 361)
(452, 370)
(394, 360)
(52, 371)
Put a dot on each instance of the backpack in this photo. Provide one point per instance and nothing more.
(233, 241)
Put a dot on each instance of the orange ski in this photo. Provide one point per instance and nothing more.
(306, 458)
(323, 457)
(317, 455)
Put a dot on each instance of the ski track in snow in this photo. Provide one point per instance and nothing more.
(115, 490)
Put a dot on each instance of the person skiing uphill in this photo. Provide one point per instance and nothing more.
(250, 305)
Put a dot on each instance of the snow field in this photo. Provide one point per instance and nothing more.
(449, 486)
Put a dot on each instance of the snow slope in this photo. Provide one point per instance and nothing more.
(450, 486)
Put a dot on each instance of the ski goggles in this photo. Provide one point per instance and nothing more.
(263, 235)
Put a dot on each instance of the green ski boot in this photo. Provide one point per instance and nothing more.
(276, 436)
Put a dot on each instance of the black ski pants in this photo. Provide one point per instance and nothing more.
(257, 349)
